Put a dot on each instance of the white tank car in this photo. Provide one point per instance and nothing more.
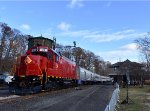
(86, 75)
(106, 79)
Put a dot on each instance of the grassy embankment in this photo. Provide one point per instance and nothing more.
(139, 96)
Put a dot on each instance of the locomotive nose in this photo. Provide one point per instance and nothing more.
(30, 65)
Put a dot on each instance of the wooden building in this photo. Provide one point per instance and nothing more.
(127, 71)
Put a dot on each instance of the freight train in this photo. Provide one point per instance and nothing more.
(42, 68)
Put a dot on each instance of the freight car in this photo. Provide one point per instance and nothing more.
(42, 68)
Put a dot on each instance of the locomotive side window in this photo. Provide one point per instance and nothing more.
(56, 58)
(50, 55)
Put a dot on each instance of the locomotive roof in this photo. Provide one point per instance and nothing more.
(40, 37)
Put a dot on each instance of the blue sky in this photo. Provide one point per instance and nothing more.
(107, 28)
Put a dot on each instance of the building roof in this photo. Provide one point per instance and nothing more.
(126, 63)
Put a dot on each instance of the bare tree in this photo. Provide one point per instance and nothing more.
(144, 47)
(12, 45)
(78, 54)
(5, 31)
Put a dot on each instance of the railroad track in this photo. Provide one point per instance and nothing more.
(5, 96)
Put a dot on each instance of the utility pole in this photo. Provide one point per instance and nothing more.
(126, 101)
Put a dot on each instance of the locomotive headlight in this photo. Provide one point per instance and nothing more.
(43, 50)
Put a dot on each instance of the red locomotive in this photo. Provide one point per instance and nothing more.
(42, 68)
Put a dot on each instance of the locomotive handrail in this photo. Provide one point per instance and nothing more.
(13, 70)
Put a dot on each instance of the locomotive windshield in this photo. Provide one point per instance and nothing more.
(44, 54)
(42, 51)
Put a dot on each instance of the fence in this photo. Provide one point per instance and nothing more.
(114, 99)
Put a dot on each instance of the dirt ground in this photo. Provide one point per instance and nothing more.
(89, 98)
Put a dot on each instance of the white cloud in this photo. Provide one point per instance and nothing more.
(128, 51)
(115, 36)
(75, 3)
(102, 36)
(64, 26)
(131, 47)
(25, 26)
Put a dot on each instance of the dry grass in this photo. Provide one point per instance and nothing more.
(139, 96)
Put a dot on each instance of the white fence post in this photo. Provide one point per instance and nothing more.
(114, 99)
